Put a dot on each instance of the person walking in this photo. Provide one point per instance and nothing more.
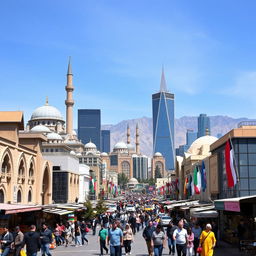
(207, 241)
(147, 234)
(46, 239)
(171, 242)
(158, 241)
(6, 241)
(68, 234)
(77, 235)
(138, 221)
(115, 240)
(190, 243)
(57, 234)
(84, 230)
(103, 236)
(180, 237)
(197, 233)
(132, 222)
(128, 238)
(18, 241)
(32, 241)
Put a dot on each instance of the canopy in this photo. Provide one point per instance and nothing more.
(57, 211)
(18, 208)
(205, 214)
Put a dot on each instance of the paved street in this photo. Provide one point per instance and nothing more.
(138, 248)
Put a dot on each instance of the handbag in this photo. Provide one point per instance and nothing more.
(199, 249)
(23, 253)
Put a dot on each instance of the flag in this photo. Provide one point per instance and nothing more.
(92, 185)
(192, 185)
(203, 177)
(195, 176)
(230, 167)
(185, 186)
(199, 181)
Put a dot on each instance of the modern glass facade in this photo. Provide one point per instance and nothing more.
(105, 141)
(60, 187)
(89, 126)
(163, 127)
(245, 158)
(191, 136)
(203, 124)
(140, 167)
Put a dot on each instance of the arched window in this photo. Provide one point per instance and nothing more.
(31, 170)
(1, 196)
(29, 196)
(21, 170)
(19, 196)
(160, 168)
(126, 168)
(6, 166)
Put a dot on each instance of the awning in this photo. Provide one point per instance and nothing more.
(202, 208)
(182, 204)
(233, 204)
(205, 214)
(57, 211)
(18, 208)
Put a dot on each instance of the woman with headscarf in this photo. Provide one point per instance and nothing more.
(207, 241)
(128, 238)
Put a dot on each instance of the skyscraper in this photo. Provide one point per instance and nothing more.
(105, 141)
(89, 126)
(191, 136)
(203, 124)
(163, 124)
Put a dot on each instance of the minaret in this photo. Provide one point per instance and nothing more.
(137, 140)
(69, 101)
(128, 134)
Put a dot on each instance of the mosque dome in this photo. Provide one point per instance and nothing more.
(104, 154)
(201, 146)
(158, 154)
(40, 128)
(120, 145)
(79, 154)
(72, 153)
(46, 112)
(90, 145)
(54, 136)
(133, 181)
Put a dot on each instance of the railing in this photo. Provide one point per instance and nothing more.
(247, 123)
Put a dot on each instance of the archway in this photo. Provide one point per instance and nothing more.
(1, 196)
(46, 186)
(19, 197)
(29, 196)
(159, 168)
(6, 165)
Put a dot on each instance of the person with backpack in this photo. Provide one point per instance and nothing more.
(103, 236)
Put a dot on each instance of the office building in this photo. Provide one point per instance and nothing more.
(140, 167)
(89, 126)
(105, 141)
(191, 136)
(163, 124)
(203, 125)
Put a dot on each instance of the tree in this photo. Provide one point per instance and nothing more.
(89, 214)
(158, 172)
(122, 180)
(101, 207)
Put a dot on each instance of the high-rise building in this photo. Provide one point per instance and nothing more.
(105, 141)
(89, 126)
(140, 167)
(203, 124)
(163, 124)
(191, 136)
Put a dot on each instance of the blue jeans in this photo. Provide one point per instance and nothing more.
(5, 251)
(45, 250)
(158, 249)
(77, 241)
(83, 238)
(171, 245)
(115, 250)
(33, 254)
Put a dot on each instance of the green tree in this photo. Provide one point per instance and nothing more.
(122, 180)
(101, 207)
(158, 172)
(89, 213)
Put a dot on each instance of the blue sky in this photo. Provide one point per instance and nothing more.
(118, 48)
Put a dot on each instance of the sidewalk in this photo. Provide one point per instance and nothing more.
(225, 248)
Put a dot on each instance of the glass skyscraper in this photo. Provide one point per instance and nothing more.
(89, 126)
(163, 124)
(191, 136)
(203, 124)
(105, 141)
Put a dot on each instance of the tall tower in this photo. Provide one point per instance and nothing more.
(128, 134)
(137, 140)
(163, 124)
(69, 101)
(203, 122)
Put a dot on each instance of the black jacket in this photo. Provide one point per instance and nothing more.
(32, 241)
(148, 232)
(8, 239)
(169, 231)
(46, 236)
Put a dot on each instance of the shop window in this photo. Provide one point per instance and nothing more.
(19, 196)
(29, 196)
(1, 196)
(252, 171)
(243, 159)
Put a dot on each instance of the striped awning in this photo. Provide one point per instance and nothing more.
(57, 211)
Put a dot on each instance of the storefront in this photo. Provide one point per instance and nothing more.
(231, 212)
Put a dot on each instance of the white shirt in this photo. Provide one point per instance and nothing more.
(180, 235)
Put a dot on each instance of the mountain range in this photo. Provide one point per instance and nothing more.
(219, 125)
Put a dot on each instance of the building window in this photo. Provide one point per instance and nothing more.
(19, 196)
(21, 171)
(1, 196)
(29, 196)
(126, 168)
(6, 166)
(31, 170)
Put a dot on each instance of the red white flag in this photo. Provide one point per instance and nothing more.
(230, 167)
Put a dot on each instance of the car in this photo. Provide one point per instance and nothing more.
(148, 208)
(111, 208)
(130, 208)
(165, 220)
